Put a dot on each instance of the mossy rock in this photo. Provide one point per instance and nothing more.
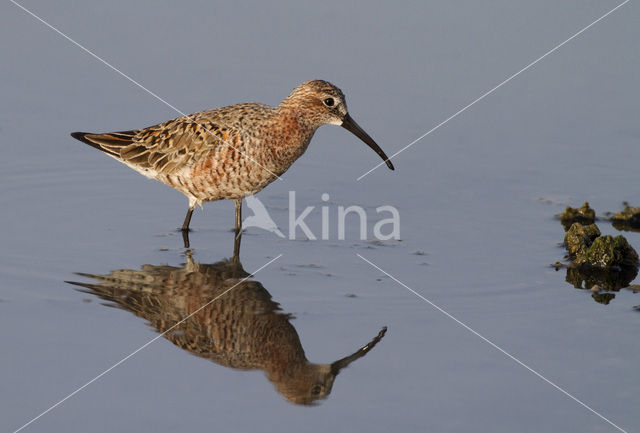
(629, 217)
(579, 238)
(584, 215)
(608, 251)
(587, 248)
(628, 214)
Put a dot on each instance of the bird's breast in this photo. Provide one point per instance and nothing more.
(247, 162)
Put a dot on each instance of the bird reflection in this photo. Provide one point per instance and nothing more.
(243, 329)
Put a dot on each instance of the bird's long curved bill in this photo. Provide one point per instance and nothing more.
(350, 125)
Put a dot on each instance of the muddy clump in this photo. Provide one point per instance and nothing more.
(578, 240)
(609, 252)
(627, 219)
(583, 215)
(600, 264)
(588, 249)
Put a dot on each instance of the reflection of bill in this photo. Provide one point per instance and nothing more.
(260, 218)
(244, 329)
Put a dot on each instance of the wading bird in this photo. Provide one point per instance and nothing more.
(230, 152)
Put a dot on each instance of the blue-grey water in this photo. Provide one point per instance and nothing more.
(476, 198)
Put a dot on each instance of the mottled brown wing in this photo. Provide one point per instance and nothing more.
(164, 148)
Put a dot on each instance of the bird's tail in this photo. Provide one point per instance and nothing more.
(109, 143)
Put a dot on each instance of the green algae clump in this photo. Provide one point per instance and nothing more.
(584, 215)
(608, 252)
(601, 264)
(579, 238)
(587, 248)
(629, 218)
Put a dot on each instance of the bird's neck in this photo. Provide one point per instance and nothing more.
(294, 130)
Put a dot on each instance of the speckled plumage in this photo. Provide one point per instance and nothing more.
(230, 152)
(243, 329)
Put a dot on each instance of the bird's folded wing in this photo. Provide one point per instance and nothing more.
(166, 147)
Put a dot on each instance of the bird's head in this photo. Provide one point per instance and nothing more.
(319, 102)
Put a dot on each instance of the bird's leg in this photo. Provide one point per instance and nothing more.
(185, 238)
(185, 227)
(187, 221)
(238, 231)
(192, 205)
(238, 216)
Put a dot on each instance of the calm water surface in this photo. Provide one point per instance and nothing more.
(476, 199)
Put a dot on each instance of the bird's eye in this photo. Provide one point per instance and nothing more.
(329, 102)
(316, 390)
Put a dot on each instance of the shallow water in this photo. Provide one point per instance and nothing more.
(476, 199)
